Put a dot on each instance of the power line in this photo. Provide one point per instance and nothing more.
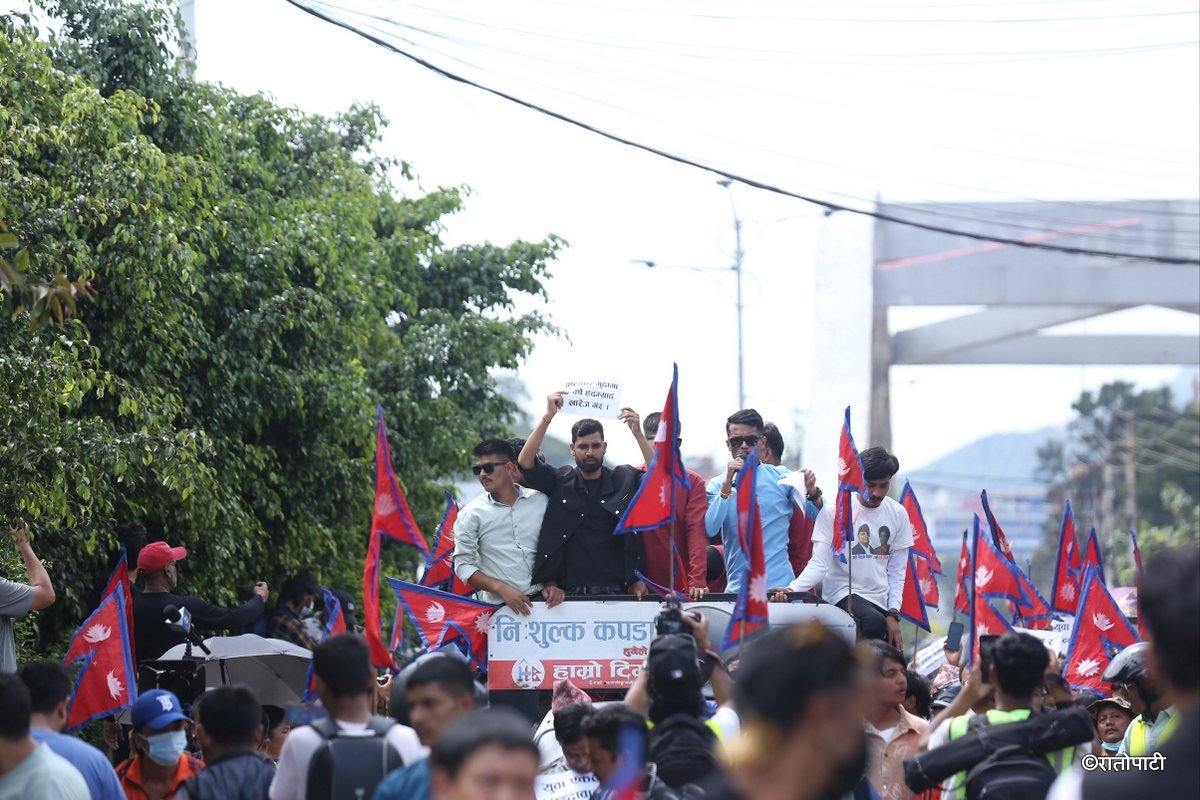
(728, 53)
(642, 68)
(732, 175)
(938, 6)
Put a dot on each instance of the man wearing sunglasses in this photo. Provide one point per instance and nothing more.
(496, 535)
(744, 432)
(577, 551)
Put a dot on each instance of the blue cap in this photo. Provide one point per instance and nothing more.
(156, 709)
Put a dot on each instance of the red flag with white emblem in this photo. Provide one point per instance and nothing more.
(1067, 566)
(1091, 554)
(998, 537)
(922, 544)
(441, 618)
(1101, 631)
(654, 503)
(927, 583)
(995, 575)
(962, 591)
(850, 482)
(391, 518)
(118, 582)
(987, 622)
(439, 567)
(1035, 608)
(107, 681)
(912, 602)
(749, 616)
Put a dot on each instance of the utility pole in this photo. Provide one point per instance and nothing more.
(737, 269)
(187, 11)
(1130, 469)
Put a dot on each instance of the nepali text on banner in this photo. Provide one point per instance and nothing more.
(599, 644)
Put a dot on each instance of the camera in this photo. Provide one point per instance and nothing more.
(185, 679)
(670, 619)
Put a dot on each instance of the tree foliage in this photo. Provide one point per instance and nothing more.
(262, 284)
(1119, 431)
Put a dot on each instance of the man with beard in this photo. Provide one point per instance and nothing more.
(577, 551)
(779, 493)
(800, 693)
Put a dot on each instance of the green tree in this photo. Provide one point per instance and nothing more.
(262, 284)
(1120, 433)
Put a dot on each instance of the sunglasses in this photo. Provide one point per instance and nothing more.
(488, 466)
(747, 441)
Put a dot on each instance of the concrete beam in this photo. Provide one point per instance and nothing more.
(929, 343)
(1083, 350)
(1124, 283)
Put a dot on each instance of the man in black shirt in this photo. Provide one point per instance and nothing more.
(577, 551)
(152, 637)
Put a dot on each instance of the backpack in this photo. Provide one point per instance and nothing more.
(682, 747)
(1013, 772)
(350, 763)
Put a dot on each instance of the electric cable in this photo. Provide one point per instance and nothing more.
(754, 183)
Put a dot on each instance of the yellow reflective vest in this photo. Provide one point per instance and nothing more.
(1137, 736)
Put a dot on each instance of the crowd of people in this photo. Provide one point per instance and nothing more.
(801, 714)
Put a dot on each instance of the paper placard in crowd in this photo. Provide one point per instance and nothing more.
(592, 398)
(931, 657)
(565, 786)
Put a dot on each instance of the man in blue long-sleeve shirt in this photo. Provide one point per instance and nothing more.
(777, 494)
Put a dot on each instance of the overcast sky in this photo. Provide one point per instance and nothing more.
(848, 101)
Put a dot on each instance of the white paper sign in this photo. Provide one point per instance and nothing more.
(565, 786)
(592, 398)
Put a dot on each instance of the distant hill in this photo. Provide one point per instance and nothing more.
(1001, 459)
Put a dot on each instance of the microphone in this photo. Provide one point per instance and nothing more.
(179, 620)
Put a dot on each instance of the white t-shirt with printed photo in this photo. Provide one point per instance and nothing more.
(882, 538)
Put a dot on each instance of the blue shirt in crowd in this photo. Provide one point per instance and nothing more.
(406, 783)
(775, 503)
(98, 774)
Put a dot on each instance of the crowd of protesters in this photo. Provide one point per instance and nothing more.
(801, 714)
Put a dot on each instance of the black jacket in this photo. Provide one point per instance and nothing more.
(151, 635)
(236, 776)
(568, 504)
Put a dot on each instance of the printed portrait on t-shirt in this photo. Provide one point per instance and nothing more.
(884, 537)
(876, 533)
(863, 546)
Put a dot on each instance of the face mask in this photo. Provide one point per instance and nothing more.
(304, 612)
(165, 749)
(1112, 748)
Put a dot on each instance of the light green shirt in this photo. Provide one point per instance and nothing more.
(45, 775)
(499, 540)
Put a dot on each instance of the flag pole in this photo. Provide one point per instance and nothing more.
(916, 638)
(671, 544)
(850, 581)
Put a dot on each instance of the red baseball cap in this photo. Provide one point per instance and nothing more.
(157, 555)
